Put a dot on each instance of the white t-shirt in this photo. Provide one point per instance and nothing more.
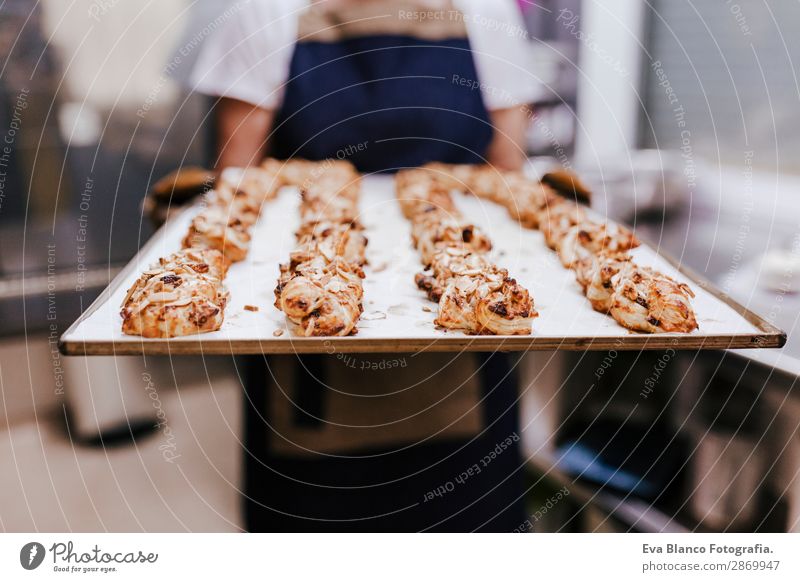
(247, 57)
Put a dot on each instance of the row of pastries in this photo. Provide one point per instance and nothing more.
(473, 294)
(320, 288)
(637, 297)
(184, 293)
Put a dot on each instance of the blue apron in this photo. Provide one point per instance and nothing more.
(393, 94)
(397, 95)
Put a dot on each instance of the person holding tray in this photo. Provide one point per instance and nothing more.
(388, 442)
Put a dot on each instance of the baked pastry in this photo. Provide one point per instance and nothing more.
(446, 264)
(489, 303)
(294, 171)
(301, 173)
(331, 209)
(435, 229)
(647, 300)
(597, 278)
(177, 298)
(214, 228)
(322, 298)
(589, 238)
(529, 202)
(207, 262)
(234, 203)
(640, 298)
(555, 220)
(418, 192)
(258, 184)
(504, 306)
(331, 239)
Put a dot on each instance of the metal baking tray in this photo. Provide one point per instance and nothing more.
(397, 316)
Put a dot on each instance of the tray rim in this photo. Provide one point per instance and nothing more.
(770, 336)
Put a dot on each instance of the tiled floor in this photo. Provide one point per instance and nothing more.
(49, 484)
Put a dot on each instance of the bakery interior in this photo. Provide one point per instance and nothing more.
(695, 107)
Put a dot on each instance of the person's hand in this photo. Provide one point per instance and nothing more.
(175, 190)
(567, 183)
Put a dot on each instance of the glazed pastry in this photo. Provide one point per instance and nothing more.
(331, 239)
(489, 303)
(418, 192)
(529, 202)
(435, 229)
(598, 278)
(293, 172)
(446, 264)
(322, 298)
(331, 209)
(214, 228)
(258, 184)
(234, 203)
(202, 261)
(301, 173)
(649, 301)
(557, 218)
(181, 296)
(504, 306)
(589, 238)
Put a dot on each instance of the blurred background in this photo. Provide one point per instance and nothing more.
(680, 115)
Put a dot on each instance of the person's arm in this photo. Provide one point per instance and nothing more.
(504, 68)
(507, 149)
(241, 132)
